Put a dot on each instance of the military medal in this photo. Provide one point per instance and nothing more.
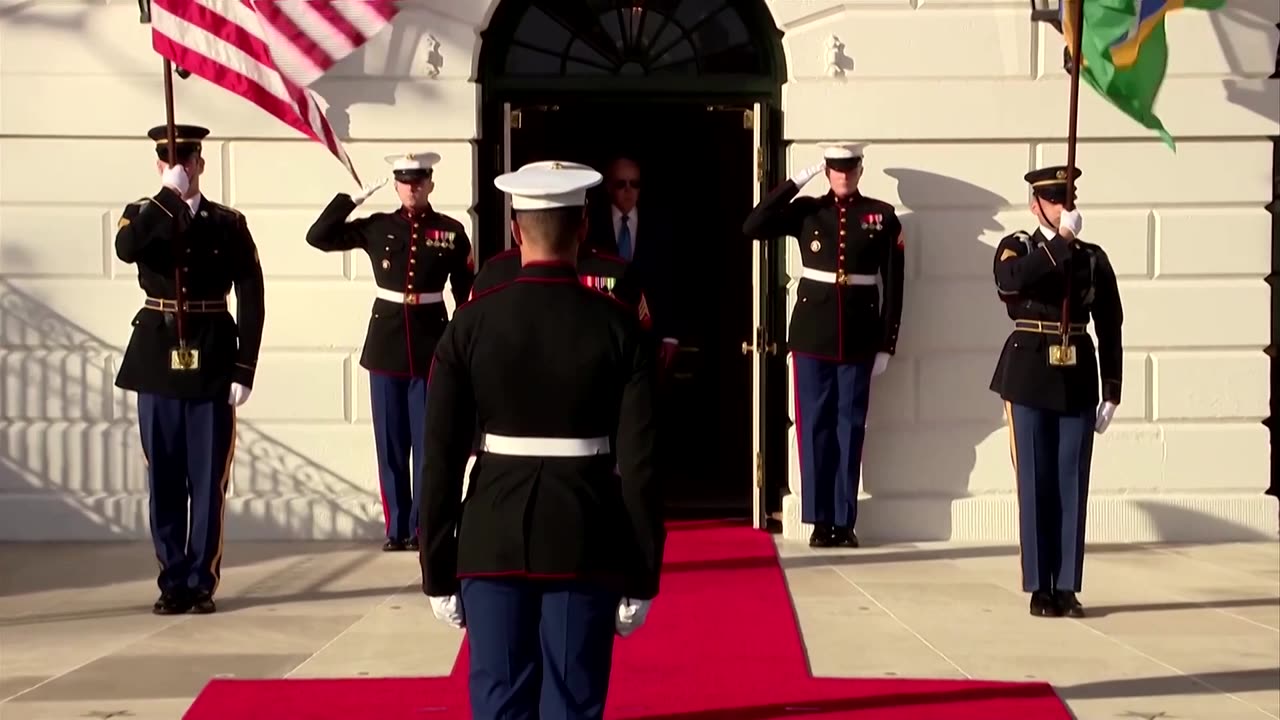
(386, 264)
(815, 246)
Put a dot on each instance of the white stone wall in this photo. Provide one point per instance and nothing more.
(958, 102)
(951, 93)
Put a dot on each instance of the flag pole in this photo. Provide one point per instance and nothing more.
(1073, 112)
(179, 299)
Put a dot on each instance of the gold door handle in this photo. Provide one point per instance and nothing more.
(771, 348)
(747, 347)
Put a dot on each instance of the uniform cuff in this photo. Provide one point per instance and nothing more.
(243, 374)
(1111, 391)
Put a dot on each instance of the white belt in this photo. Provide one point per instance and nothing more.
(830, 277)
(544, 446)
(409, 298)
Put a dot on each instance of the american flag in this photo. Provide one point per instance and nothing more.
(268, 52)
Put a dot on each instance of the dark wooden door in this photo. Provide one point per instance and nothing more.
(697, 164)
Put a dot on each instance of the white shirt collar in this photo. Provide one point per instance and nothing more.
(1047, 233)
(193, 202)
(631, 221)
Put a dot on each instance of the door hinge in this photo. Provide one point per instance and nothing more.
(749, 119)
(515, 120)
(760, 166)
(759, 469)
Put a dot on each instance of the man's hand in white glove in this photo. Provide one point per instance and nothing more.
(1070, 223)
(175, 178)
(631, 615)
(803, 177)
(369, 190)
(448, 609)
(1106, 411)
(239, 394)
(881, 364)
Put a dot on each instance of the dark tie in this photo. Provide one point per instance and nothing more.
(624, 239)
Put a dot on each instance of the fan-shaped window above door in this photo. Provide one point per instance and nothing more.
(637, 38)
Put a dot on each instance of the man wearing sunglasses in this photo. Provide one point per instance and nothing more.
(413, 250)
(620, 233)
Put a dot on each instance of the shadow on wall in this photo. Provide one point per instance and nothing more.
(918, 472)
(71, 463)
(373, 73)
(1249, 89)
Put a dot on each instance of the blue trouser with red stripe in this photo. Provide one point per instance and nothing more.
(189, 445)
(1052, 456)
(399, 433)
(831, 420)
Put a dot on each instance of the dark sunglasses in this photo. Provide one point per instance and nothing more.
(620, 184)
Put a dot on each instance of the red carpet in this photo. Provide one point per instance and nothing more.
(721, 643)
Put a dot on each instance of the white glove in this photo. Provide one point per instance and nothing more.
(631, 615)
(1070, 223)
(803, 177)
(369, 190)
(448, 609)
(239, 394)
(1106, 411)
(882, 363)
(175, 178)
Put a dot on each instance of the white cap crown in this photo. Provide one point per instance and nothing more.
(412, 161)
(548, 184)
(842, 150)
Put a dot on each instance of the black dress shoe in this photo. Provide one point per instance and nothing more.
(1068, 604)
(171, 603)
(411, 544)
(1044, 604)
(392, 545)
(202, 604)
(823, 536)
(846, 537)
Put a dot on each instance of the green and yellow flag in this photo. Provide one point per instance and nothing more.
(1125, 53)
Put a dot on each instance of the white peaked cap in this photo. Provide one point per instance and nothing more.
(841, 150)
(549, 184)
(555, 165)
(413, 161)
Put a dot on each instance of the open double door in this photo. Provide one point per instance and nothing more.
(703, 168)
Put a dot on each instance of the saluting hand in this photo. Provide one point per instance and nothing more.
(803, 177)
(369, 190)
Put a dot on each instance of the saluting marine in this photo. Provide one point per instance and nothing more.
(190, 362)
(552, 553)
(1052, 283)
(413, 251)
(843, 328)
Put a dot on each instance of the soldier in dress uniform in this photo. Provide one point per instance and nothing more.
(190, 362)
(597, 269)
(413, 251)
(1051, 283)
(843, 329)
(552, 553)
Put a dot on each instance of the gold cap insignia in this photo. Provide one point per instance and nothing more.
(555, 166)
(1062, 174)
